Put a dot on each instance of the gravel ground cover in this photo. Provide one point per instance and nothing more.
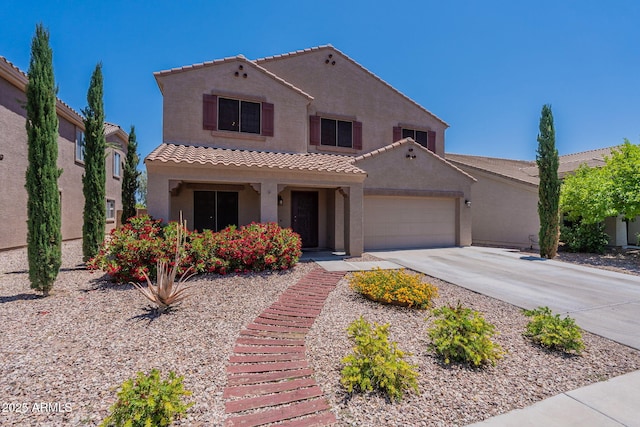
(76, 347)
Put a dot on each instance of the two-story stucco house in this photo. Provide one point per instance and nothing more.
(14, 162)
(310, 140)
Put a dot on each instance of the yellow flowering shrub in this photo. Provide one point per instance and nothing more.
(397, 287)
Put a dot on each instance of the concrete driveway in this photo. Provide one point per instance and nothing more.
(603, 302)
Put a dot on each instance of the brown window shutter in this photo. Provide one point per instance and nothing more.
(357, 135)
(397, 133)
(314, 130)
(431, 140)
(267, 119)
(209, 112)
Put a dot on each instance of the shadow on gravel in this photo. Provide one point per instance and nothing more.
(20, 297)
(151, 313)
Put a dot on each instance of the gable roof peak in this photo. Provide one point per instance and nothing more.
(357, 64)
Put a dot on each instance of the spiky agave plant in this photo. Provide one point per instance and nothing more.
(167, 291)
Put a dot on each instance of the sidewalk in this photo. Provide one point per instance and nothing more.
(610, 403)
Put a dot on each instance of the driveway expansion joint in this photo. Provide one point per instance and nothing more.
(268, 377)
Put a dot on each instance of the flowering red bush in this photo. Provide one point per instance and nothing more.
(137, 246)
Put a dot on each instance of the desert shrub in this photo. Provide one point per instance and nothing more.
(257, 247)
(396, 287)
(551, 331)
(375, 363)
(581, 237)
(133, 250)
(460, 334)
(167, 292)
(130, 250)
(148, 401)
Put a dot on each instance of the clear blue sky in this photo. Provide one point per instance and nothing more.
(485, 67)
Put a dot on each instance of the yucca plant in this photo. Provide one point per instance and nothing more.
(167, 292)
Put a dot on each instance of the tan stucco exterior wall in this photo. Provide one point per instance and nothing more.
(346, 89)
(182, 107)
(504, 212)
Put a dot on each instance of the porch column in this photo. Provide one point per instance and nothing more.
(268, 201)
(158, 196)
(339, 220)
(354, 220)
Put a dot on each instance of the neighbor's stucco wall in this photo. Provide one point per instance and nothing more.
(13, 167)
(183, 108)
(348, 90)
(504, 212)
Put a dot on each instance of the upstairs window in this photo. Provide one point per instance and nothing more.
(111, 209)
(237, 115)
(79, 145)
(426, 138)
(116, 164)
(335, 132)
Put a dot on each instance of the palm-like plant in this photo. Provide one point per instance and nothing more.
(167, 291)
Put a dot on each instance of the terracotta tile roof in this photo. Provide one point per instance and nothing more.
(111, 128)
(527, 170)
(262, 159)
(232, 59)
(410, 141)
(328, 46)
(517, 170)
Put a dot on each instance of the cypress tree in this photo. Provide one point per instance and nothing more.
(130, 178)
(549, 189)
(94, 179)
(44, 238)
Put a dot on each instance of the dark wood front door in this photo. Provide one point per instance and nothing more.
(304, 216)
(214, 210)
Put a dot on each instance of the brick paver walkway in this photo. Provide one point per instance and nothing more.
(268, 377)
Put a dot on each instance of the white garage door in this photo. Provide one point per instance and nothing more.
(408, 222)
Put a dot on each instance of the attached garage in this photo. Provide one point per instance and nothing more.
(409, 222)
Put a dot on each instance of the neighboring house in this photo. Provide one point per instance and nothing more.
(14, 162)
(310, 140)
(505, 199)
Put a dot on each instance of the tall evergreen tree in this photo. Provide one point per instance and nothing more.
(549, 189)
(44, 238)
(130, 178)
(94, 179)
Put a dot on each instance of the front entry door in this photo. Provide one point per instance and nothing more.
(214, 210)
(304, 216)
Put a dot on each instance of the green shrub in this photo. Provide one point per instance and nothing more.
(460, 334)
(580, 237)
(376, 363)
(552, 332)
(148, 401)
(396, 287)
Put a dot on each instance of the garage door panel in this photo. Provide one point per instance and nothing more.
(408, 222)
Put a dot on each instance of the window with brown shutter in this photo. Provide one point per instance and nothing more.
(426, 138)
(357, 135)
(314, 130)
(267, 119)
(236, 115)
(209, 112)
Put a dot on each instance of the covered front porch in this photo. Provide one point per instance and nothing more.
(324, 206)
